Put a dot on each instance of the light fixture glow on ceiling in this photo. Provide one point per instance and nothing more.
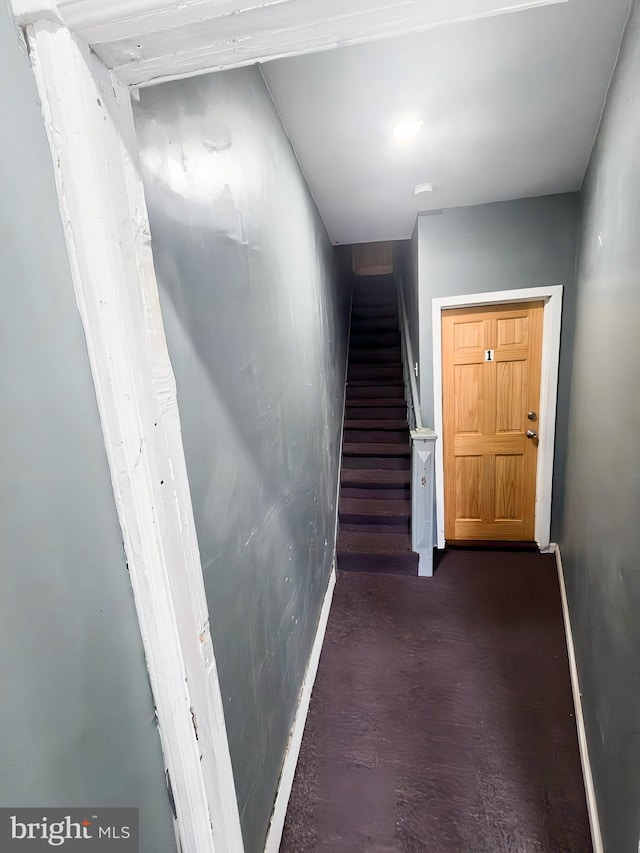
(407, 129)
(423, 188)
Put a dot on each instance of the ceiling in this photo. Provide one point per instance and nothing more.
(147, 41)
(510, 106)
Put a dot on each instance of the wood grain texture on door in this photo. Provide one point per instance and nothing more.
(491, 359)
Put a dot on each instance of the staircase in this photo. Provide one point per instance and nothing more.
(375, 484)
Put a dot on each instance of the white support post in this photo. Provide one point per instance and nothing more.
(422, 498)
(89, 125)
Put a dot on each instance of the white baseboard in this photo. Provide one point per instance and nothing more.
(276, 827)
(592, 805)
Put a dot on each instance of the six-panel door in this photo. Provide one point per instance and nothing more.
(491, 390)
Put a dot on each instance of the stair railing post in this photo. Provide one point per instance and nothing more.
(422, 498)
(422, 453)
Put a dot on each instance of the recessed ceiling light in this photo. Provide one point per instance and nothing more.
(423, 188)
(407, 129)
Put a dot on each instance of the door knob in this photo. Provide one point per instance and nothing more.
(532, 416)
(531, 433)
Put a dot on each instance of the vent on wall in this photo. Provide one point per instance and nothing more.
(373, 258)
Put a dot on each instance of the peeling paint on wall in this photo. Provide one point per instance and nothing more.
(77, 721)
(257, 336)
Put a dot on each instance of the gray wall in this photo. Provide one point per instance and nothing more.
(257, 340)
(503, 246)
(77, 723)
(600, 538)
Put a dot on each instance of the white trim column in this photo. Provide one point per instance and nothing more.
(89, 125)
(423, 443)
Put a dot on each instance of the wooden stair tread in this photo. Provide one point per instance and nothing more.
(391, 544)
(366, 449)
(380, 508)
(362, 476)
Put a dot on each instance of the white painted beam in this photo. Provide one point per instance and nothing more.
(120, 19)
(149, 40)
(89, 124)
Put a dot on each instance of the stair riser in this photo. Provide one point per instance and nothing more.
(397, 425)
(375, 312)
(401, 494)
(370, 291)
(375, 529)
(377, 463)
(373, 374)
(379, 402)
(358, 479)
(381, 297)
(362, 307)
(373, 325)
(366, 294)
(373, 286)
(362, 525)
(364, 413)
(370, 392)
(386, 512)
(374, 340)
(397, 544)
(388, 356)
(371, 436)
(407, 565)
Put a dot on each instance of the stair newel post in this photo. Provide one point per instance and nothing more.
(422, 497)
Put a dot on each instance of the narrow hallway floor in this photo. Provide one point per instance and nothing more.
(442, 719)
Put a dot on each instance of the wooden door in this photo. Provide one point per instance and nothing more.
(491, 360)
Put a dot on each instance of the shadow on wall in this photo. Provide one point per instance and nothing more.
(256, 330)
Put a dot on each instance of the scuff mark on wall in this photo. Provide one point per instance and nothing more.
(257, 332)
(195, 724)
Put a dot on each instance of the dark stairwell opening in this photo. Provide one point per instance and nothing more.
(375, 483)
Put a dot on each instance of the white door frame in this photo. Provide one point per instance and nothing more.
(552, 320)
(87, 56)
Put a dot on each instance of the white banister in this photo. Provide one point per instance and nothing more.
(422, 453)
(410, 378)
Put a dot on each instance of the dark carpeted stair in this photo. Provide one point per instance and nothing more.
(375, 498)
